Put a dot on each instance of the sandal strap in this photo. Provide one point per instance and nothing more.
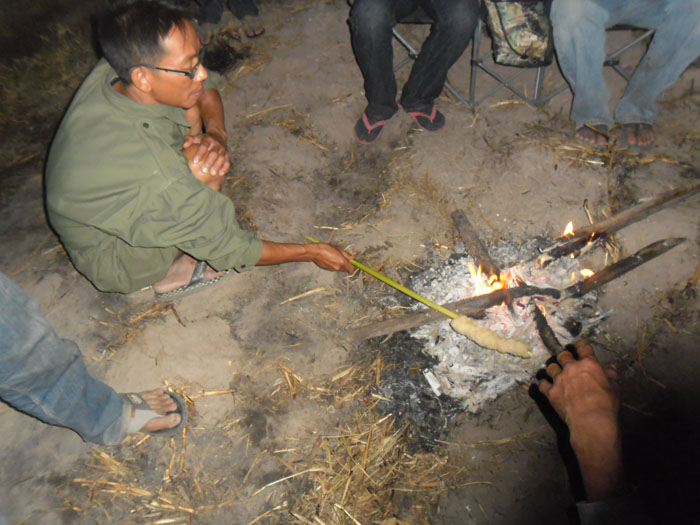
(200, 270)
(369, 126)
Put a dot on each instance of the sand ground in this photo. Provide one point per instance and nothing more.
(297, 170)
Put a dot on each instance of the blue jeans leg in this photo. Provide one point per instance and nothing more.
(45, 376)
(579, 38)
(676, 43)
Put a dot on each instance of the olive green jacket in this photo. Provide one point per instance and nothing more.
(122, 198)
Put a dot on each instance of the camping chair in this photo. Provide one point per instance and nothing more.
(477, 62)
(539, 98)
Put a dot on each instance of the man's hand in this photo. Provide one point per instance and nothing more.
(582, 391)
(585, 395)
(190, 149)
(330, 257)
(211, 156)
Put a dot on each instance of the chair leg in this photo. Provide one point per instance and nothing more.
(474, 63)
(539, 80)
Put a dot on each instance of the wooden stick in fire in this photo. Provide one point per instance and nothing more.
(473, 244)
(580, 237)
(621, 267)
(545, 331)
(473, 306)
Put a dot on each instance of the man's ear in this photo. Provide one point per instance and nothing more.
(141, 79)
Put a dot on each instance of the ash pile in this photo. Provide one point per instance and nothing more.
(457, 373)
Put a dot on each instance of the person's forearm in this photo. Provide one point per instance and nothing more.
(211, 108)
(599, 455)
(277, 253)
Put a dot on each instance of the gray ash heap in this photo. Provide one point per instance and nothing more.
(458, 373)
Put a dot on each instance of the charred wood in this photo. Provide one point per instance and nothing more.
(473, 307)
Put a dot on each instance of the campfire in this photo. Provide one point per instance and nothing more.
(542, 300)
(474, 374)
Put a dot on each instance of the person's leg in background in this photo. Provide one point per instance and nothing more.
(675, 44)
(247, 12)
(209, 11)
(454, 22)
(579, 39)
(371, 23)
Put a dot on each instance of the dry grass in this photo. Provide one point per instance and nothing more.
(125, 324)
(359, 473)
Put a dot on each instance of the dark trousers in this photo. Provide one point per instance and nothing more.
(210, 11)
(452, 26)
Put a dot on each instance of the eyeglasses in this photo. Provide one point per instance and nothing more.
(191, 73)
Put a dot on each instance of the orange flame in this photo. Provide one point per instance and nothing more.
(486, 284)
(586, 272)
(569, 230)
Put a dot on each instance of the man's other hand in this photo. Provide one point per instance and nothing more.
(211, 156)
(585, 395)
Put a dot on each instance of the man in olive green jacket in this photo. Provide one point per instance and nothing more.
(132, 181)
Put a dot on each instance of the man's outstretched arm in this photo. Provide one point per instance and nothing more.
(324, 255)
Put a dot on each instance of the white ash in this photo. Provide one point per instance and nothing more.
(473, 374)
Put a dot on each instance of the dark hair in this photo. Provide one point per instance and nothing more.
(131, 33)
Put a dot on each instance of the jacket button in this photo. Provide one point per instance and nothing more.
(146, 125)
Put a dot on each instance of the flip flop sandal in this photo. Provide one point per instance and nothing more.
(637, 127)
(432, 121)
(366, 132)
(196, 284)
(598, 130)
(143, 413)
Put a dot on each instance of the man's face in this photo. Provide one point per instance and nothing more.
(181, 52)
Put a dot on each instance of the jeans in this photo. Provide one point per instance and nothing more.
(579, 36)
(210, 11)
(45, 376)
(371, 22)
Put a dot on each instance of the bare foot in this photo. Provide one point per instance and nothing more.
(161, 403)
(595, 135)
(253, 26)
(638, 134)
(180, 274)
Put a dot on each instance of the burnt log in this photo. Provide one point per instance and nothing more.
(473, 244)
(621, 267)
(602, 229)
(473, 307)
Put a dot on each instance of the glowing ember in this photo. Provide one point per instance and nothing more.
(586, 272)
(569, 230)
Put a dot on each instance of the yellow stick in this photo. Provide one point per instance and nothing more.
(399, 287)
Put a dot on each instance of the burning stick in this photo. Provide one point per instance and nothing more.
(473, 306)
(582, 236)
(613, 271)
(546, 333)
(473, 244)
